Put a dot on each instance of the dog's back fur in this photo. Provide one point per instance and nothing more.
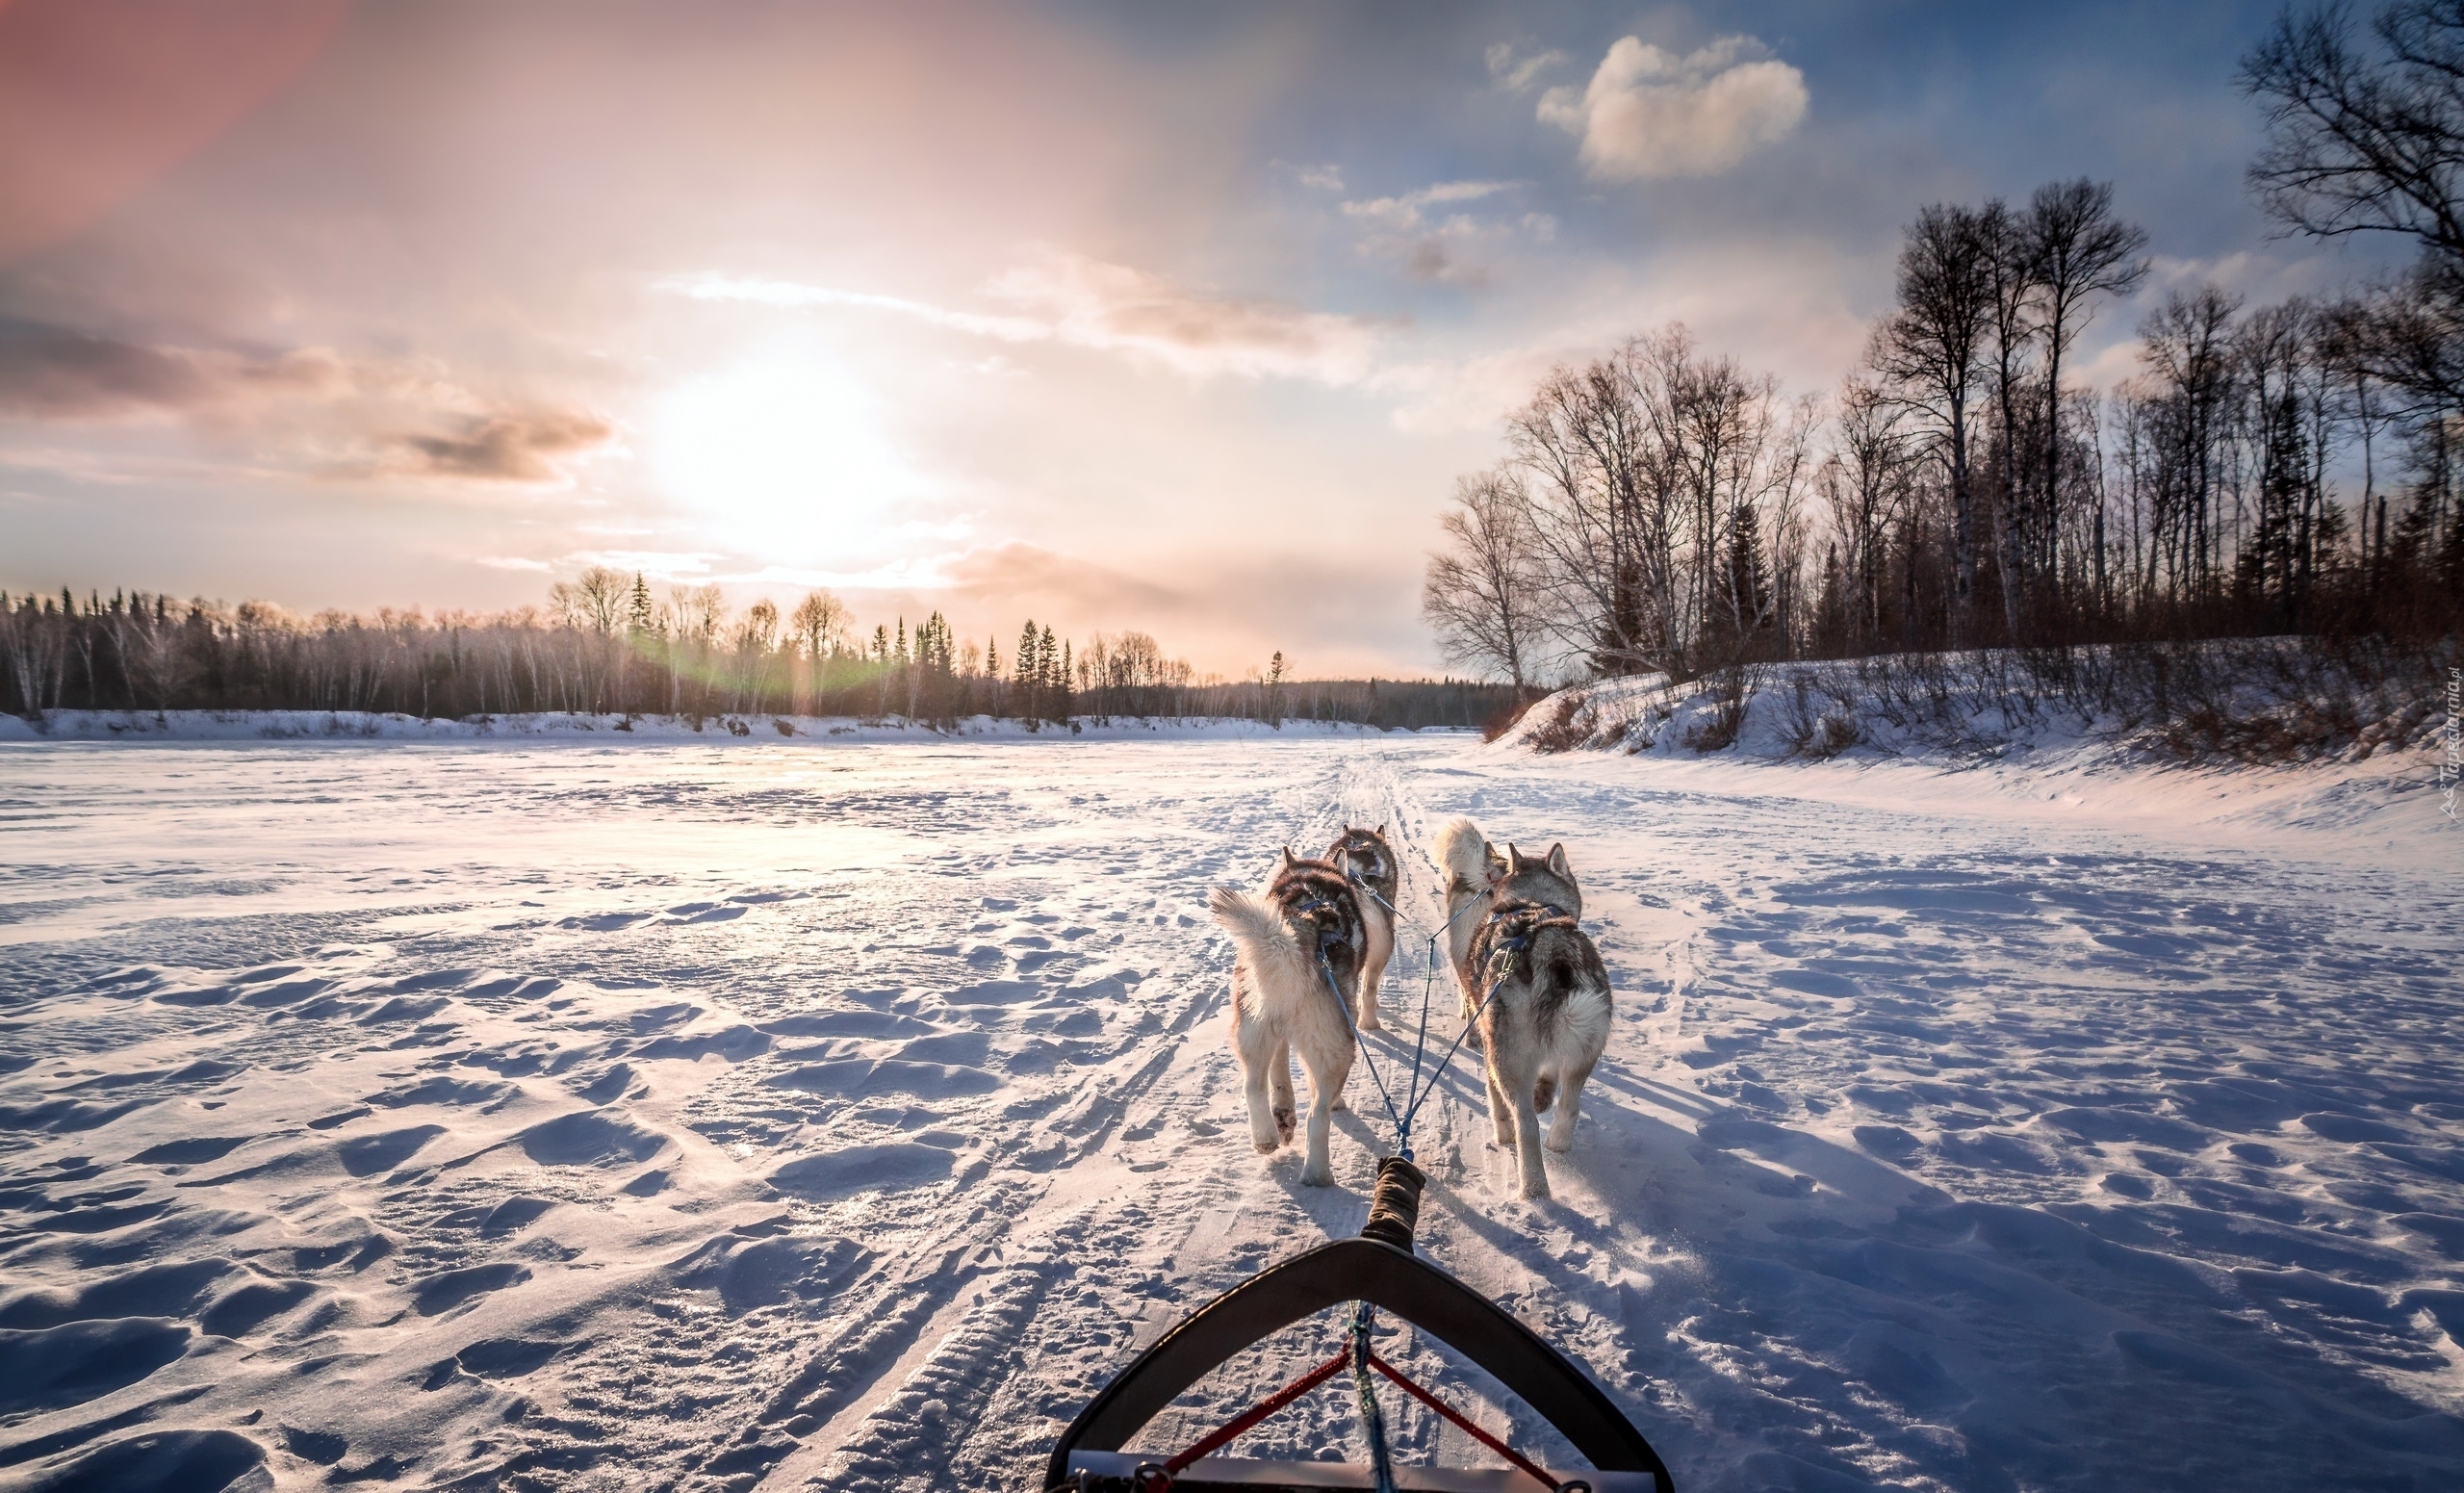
(1472, 873)
(1533, 988)
(1316, 894)
(1370, 861)
(1282, 1006)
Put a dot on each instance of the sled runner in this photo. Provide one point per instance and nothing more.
(1379, 1270)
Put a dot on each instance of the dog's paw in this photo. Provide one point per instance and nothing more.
(1560, 1145)
(1285, 1122)
(1268, 1147)
(1310, 1178)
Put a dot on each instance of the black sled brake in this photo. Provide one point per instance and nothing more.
(1379, 1269)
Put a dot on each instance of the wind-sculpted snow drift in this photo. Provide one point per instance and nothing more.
(523, 1115)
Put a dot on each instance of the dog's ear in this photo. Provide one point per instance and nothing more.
(1288, 859)
(1513, 860)
(1381, 829)
(1557, 862)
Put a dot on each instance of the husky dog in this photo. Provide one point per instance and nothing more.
(1370, 861)
(1281, 1004)
(1537, 982)
(1473, 870)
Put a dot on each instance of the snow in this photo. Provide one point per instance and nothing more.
(734, 1112)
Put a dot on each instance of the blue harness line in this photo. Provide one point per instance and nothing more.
(1372, 1417)
(1415, 1092)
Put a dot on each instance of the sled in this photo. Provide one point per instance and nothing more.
(1378, 1268)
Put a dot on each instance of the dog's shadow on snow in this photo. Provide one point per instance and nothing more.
(1635, 1169)
(1719, 1245)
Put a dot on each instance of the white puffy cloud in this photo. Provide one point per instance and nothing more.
(1652, 113)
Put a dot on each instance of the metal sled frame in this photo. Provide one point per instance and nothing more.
(1400, 1282)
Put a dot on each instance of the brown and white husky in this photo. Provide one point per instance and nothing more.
(1371, 861)
(1535, 981)
(1282, 1004)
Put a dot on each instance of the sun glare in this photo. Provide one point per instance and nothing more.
(784, 458)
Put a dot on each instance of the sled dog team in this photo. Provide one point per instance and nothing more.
(1309, 952)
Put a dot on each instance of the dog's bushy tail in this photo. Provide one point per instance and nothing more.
(1250, 919)
(1464, 851)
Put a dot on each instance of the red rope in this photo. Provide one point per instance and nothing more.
(1249, 1418)
(1256, 1413)
(1450, 1412)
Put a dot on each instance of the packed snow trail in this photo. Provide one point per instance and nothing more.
(845, 1115)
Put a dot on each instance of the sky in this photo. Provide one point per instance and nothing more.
(1118, 315)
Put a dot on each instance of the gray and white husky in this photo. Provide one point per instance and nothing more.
(1282, 1006)
(1535, 981)
(1370, 861)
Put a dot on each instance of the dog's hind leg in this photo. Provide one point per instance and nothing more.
(1500, 1112)
(1259, 1055)
(1527, 1150)
(1372, 973)
(1518, 1124)
(1327, 1071)
(1561, 1130)
(1287, 1111)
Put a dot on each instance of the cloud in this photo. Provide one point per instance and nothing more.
(386, 419)
(1083, 302)
(524, 447)
(58, 373)
(1652, 113)
(1428, 260)
(1405, 212)
(790, 293)
(1118, 309)
(1430, 246)
(1514, 71)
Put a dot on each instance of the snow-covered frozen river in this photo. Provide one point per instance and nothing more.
(553, 1116)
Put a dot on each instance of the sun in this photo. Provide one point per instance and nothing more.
(784, 458)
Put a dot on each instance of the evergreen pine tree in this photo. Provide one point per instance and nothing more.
(1748, 572)
(1025, 665)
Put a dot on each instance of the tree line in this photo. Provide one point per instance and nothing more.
(606, 645)
(2288, 469)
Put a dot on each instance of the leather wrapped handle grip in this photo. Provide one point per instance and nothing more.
(1395, 1205)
